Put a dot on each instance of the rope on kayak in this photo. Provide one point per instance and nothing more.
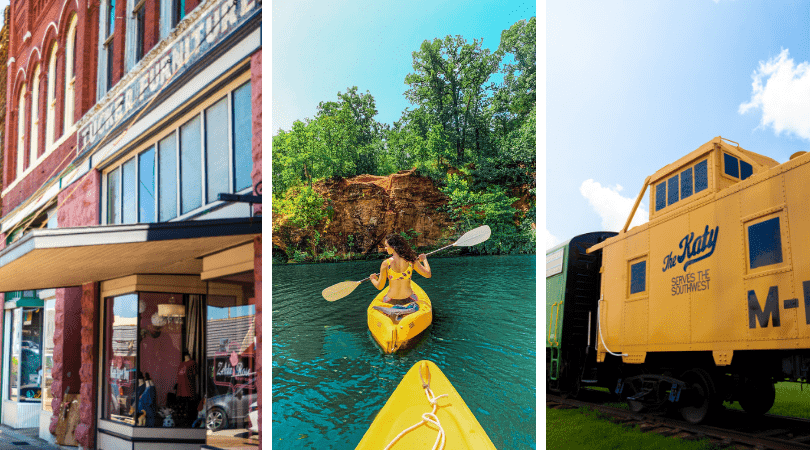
(426, 417)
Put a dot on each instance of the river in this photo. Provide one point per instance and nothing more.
(330, 378)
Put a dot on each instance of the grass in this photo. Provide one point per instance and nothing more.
(791, 400)
(587, 429)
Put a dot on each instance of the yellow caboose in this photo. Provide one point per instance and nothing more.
(709, 301)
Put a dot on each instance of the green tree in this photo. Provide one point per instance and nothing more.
(302, 208)
(469, 208)
(354, 112)
(449, 83)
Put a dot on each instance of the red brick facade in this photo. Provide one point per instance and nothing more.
(256, 87)
(36, 26)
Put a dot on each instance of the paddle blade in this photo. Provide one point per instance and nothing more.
(340, 290)
(474, 237)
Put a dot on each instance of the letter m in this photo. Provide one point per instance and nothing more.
(771, 309)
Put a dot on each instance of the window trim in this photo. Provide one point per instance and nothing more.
(21, 130)
(105, 50)
(644, 257)
(70, 75)
(34, 140)
(138, 19)
(50, 102)
(725, 173)
(763, 216)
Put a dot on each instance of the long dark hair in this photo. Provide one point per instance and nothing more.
(401, 246)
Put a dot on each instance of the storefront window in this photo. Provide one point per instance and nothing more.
(47, 345)
(231, 363)
(150, 362)
(14, 371)
(120, 357)
(25, 373)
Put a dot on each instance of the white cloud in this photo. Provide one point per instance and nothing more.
(611, 206)
(781, 89)
(551, 240)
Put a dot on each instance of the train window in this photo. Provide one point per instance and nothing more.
(638, 277)
(686, 183)
(701, 176)
(764, 243)
(661, 196)
(554, 262)
(745, 170)
(731, 164)
(673, 190)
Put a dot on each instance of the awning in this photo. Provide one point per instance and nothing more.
(62, 257)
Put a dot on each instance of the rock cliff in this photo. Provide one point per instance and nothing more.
(366, 208)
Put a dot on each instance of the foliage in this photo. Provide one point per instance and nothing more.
(490, 206)
(301, 207)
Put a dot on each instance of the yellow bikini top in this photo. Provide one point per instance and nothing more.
(404, 275)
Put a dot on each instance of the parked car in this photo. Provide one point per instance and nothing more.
(230, 409)
(253, 415)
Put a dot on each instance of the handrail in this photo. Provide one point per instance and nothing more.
(556, 318)
(550, 320)
(635, 206)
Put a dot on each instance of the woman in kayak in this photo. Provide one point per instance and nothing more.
(398, 269)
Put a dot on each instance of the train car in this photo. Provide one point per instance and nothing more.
(572, 290)
(709, 301)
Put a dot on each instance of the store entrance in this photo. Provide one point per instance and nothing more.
(231, 411)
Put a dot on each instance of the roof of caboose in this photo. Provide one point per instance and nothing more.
(758, 162)
(755, 159)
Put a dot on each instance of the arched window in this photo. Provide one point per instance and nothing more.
(70, 73)
(35, 115)
(50, 118)
(21, 132)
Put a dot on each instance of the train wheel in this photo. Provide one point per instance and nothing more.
(757, 395)
(703, 399)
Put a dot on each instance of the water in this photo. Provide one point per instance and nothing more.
(330, 379)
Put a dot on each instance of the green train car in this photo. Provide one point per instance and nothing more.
(572, 294)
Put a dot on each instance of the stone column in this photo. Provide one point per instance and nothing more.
(86, 430)
(256, 107)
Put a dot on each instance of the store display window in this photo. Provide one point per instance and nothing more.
(25, 369)
(152, 343)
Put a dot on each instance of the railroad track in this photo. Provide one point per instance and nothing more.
(730, 429)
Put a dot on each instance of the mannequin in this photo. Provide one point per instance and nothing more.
(187, 377)
(147, 399)
(187, 387)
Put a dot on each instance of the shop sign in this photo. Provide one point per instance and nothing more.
(213, 26)
(227, 370)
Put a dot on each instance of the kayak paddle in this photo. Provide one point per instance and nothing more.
(470, 238)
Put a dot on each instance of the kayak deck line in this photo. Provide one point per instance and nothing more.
(405, 422)
(426, 417)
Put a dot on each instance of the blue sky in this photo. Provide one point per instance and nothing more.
(322, 47)
(632, 86)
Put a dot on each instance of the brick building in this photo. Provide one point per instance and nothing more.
(131, 167)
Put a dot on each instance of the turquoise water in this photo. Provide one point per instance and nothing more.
(330, 379)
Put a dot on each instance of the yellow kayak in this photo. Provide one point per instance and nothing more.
(391, 334)
(402, 422)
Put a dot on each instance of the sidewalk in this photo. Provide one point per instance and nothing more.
(23, 438)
